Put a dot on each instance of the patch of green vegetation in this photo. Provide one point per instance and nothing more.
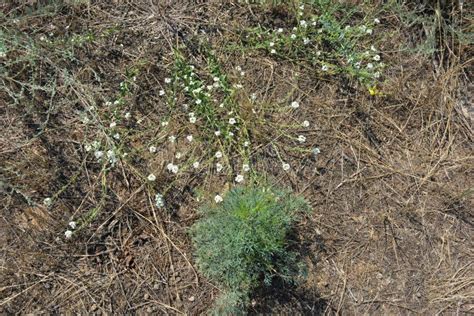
(244, 240)
(327, 37)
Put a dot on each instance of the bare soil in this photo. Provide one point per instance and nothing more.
(392, 222)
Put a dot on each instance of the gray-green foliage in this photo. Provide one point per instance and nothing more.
(243, 242)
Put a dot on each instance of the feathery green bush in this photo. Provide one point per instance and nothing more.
(243, 242)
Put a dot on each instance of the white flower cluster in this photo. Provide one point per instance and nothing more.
(159, 201)
(72, 226)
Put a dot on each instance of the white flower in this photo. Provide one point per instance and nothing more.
(47, 201)
(286, 166)
(239, 178)
(377, 75)
(303, 23)
(273, 51)
(116, 136)
(152, 149)
(72, 224)
(369, 31)
(376, 21)
(178, 155)
(370, 66)
(232, 121)
(293, 36)
(217, 133)
(111, 156)
(68, 234)
(280, 30)
(189, 138)
(167, 80)
(376, 57)
(175, 169)
(218, 167)
(295, 105)
(198, 101)
(172, 138)
(246, 144)
(271, 44)
(318, 53)
(161, 92)
(231, 134)
(99, 154)
(172, 168)
(238, 68)
(316, 151)
(151, 177)
(306, 124)
(372, 48)
(245, 167)
(306, 41)
(301, 139)
(159, 200)
(192, 119)
(164, 123)
(324, 68)
(196, 165)
(218, 198)
(216, 79)
(88, 147)
(218, 154)
(112, 125)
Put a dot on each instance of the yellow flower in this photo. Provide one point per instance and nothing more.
(374, 91)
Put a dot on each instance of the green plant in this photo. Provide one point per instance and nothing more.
(329, 38)
(244, 240)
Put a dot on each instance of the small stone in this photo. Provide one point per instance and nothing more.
(191, 298)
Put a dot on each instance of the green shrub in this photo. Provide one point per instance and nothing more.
(243, 241)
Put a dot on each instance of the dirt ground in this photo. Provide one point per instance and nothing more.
(392, 221)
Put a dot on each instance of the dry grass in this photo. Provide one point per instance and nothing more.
(391, 191)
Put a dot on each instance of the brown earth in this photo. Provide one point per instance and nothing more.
(391, 228)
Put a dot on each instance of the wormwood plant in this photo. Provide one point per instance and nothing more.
(244, 240)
